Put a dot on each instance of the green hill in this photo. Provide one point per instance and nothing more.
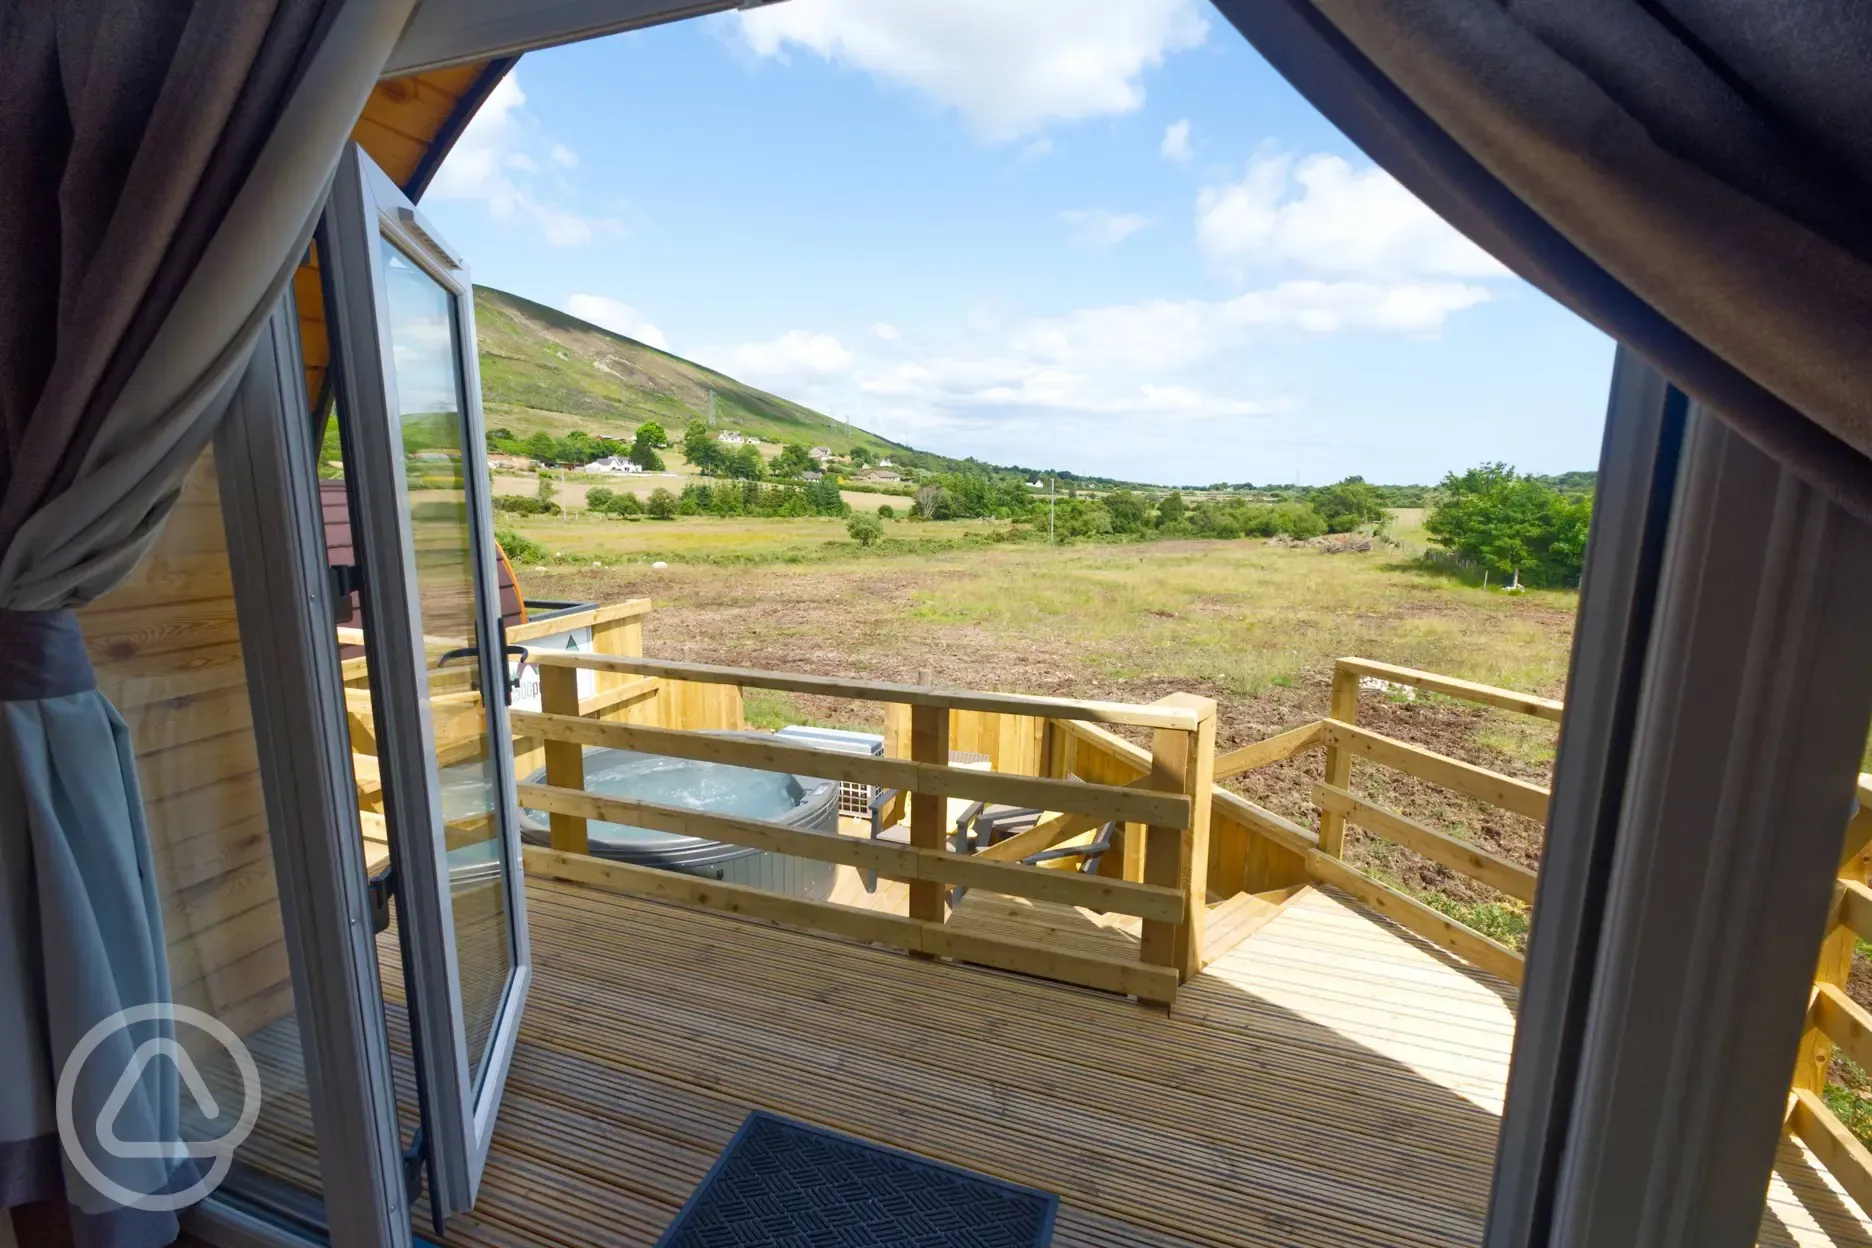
(544, 369)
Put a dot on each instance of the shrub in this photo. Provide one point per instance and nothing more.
(1348, 505)
(886, 512)
(662, 504)
(1298, 520)
(520, 549)
(864, 530)
(523, 505)
(625, 504)
(599, 497)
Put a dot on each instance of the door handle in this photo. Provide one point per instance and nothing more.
(512, 676)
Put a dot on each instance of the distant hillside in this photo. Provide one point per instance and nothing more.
(544, 369)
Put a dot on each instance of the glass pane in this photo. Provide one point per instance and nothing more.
(429, 406)
(169, 655)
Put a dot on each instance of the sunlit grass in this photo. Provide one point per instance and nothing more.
(1245, 615)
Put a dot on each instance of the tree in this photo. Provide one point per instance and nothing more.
(1128, 514)
(651, 434)
(625, 504)
(599, 497)
(792, 461)
(886, 512)
(699, 448)
(543, 448)
(544, 490)
(860, 457)
(1512, 525)
(662, 505)
(1170, 509)
(864, 530)
(933, 503)
(644, 455)
(746, 463)
(1348, 504)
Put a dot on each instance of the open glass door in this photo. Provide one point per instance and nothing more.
(403, 342)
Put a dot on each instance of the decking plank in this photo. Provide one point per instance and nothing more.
(1330, 1081)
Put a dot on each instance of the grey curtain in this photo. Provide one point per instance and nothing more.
(1693, 176)
(161, 164)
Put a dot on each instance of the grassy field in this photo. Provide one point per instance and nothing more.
(1254, 626)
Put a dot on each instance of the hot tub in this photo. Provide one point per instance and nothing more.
(718, 788)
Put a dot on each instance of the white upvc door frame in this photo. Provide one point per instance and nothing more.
(1716, 714)
(264, 460)
(366, 209)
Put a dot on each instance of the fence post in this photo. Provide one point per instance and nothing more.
(565, 760)
(1338, 761)
(929, 812)
(1836, 956)
(620, 636)
(1182, 761)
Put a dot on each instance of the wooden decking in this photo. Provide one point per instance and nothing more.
(1330, 1081)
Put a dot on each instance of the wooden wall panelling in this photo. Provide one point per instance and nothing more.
(167, 649)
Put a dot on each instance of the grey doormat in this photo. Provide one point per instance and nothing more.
(789, 1185)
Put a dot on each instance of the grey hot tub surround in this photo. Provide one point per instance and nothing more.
(716, 788)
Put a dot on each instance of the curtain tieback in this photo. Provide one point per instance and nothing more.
(42, 655)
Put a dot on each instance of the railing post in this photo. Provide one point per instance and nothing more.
(565, 760)
(929, 812)
(1836, 957)
(1338, 761)
(1182, 761)
(620, 636)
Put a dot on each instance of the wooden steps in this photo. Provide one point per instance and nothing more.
(1241, 916)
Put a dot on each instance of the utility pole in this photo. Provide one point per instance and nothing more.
(1050, 484)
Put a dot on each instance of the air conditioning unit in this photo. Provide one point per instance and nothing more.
(854, 799)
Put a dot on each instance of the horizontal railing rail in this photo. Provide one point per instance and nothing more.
(1505, 792)
(1449, 686)
(898, 862)
(932, 938)
(1153, 715)
(1104, 802)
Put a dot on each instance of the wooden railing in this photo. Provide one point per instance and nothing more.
(1161, 869)
(1338, 805)
(1834, 1020)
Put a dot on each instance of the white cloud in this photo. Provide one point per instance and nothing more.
(1176, 142)
(494, 161)
(1169, 334)
(618, 317)
(1097, 227)
(1174, 361)
(1008, 68)
(887, 331)
(795, 359)
(564, 156)
(1322, 214)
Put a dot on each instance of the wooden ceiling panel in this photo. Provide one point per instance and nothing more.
(407, 127)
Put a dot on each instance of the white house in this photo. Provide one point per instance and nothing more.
(730, 437)
(821, 453)
(613, 463)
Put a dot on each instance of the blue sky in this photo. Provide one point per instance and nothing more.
(1098, 235)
